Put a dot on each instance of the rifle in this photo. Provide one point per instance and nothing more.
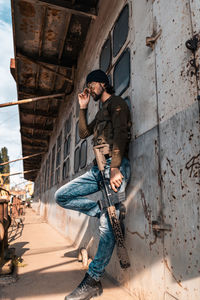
(108, 202)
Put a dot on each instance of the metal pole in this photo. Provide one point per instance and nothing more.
(22, 158)
(31, 100)
(9, 174)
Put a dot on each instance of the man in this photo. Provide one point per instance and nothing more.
(111, 126)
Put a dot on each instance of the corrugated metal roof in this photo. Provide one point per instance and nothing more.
(48, 37)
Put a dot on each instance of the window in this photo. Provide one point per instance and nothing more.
(52, 164)
(57, 177)
(83, 154)
(67, 146)
(121, 73)
(77, 139)
(66, 169)
(47, 173)
(105, 57)
(120, 31)
(67, 143)
(58, 158)
(127, 100)
(76, 160)
(77, 108)
(68, 125)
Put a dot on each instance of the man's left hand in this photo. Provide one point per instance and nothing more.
(116, 178)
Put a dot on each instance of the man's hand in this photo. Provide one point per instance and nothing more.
(116, 178)
(84, 98)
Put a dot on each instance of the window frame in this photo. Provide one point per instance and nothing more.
(67, 141)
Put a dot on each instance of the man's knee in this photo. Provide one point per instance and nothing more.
(57, 197)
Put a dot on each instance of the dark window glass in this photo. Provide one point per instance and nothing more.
(58, 158)
(68, 125)
(127, 100)
(57, 178)
(110, 79)
(105, 57)
(59, 141)
(120, 31)
(66, 169)
(76, 160)
(47, 172)
(121, 73)
(67, 146)
(77, 108)
(52, 164)
(77, 133)
(83, 154)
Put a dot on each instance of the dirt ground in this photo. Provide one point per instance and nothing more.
(50, 269)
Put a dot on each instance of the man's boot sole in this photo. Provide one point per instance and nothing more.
(90, 297)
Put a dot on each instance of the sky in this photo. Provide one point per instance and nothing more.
(9, 116)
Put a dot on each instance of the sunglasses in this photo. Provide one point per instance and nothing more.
(91, 85)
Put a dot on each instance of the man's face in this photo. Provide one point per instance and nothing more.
(96, 90)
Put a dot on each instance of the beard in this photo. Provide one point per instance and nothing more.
(97, 97)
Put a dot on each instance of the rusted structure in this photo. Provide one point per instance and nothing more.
(5, 222)
(48, 38)
(142, 47)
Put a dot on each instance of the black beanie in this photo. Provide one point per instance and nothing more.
(97, 76)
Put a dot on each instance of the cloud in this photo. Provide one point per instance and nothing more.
(9, 116)
(5, 12)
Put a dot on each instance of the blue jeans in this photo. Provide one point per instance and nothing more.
(72, 196)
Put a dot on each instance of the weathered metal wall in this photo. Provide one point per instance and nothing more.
(164, 152)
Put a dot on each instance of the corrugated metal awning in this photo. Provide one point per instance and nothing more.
(48, 37)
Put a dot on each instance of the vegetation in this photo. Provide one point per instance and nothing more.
(4, 158)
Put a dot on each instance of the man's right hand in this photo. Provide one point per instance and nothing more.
(84, 99)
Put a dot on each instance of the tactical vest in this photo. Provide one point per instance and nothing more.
(103, 130)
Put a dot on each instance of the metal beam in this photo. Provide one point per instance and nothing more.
(29, 91)
(34, 147)
(34, 141)
(41, 62)
(23, 158)
(37, 127)
(75, 9)
(31, 100)
(40, 113)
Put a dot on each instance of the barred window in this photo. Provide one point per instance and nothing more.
(66, 150)
(76, 159)
(57, 177)
(77, 138)
(58, 158)
(66, 169)
(53, 164)
(83, 154)
(128, 102)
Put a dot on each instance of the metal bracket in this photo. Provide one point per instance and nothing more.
(150, 41)
(159, 227)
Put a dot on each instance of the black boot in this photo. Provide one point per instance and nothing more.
(87, 289)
